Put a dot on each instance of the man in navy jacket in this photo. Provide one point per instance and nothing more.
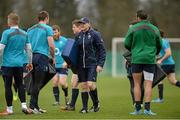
(91, 58)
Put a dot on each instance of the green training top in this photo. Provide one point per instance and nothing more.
(144, 41)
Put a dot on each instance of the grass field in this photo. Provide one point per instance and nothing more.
(115, 103)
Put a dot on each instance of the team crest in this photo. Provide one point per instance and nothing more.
(89, 36)
(60, 42)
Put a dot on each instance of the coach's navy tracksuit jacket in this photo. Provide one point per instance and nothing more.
(91, 49)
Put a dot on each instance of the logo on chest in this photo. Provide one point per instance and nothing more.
(60, 42)
(89, 36)
(57, 51)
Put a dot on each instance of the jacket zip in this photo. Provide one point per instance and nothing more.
(84, 52)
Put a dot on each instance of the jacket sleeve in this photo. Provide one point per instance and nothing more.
(101, 51)
(128, 40)
(158, 43)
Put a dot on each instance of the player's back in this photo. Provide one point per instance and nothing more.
(38, 35)
(144, 44)
(15, 40)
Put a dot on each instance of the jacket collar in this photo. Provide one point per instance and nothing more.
(144, 21)
(16, 27)
(90, 29)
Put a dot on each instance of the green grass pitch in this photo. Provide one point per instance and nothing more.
(114, 98)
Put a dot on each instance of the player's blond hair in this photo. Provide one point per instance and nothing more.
(13, 18)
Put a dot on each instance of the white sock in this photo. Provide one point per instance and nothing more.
(23, 105)
(9, 109)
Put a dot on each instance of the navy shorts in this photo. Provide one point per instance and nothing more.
(147, 69)
(62, 71)
(40, 62)
(168, 68)
(12, 71)
(87, 74)
(137, 68)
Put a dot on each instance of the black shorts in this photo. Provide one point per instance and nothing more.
(62, 71)
(137, 68)
(168, 68)
(40, 62)
(12, 71)
(87, 74)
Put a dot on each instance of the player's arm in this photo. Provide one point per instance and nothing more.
(51, 43)
(3, 42)
(28, 50)
(52, 48)
(166, 55)
(65, 65)
(2, 46)
(128, 40)
(101, 51)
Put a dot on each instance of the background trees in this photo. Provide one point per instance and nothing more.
(110, 17)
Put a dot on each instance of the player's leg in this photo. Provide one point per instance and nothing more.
(92, 76)
(160, 90)
(137, 90)
(75, 90)
(40, 64)
(167, 69)
(142, 90)
(132, 88)
(130, 77)
(82, 75)
(170, 71)
(137, 77)
(35, 92)
(148, 72)
(55, 82)
(64, 84)
(18, 79)
(8, 77)
(15, 94)
(84, 96)
(74, 94)
(172, 79)
(131, 81)
(8, 93)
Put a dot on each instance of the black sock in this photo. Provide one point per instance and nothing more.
(84, 96)
(142, 94)
(65, 90)
(56, 93)
(178, 83)
(160, 87)
(94, 97)
(147, 106)
(75, 93)
(138, 105)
